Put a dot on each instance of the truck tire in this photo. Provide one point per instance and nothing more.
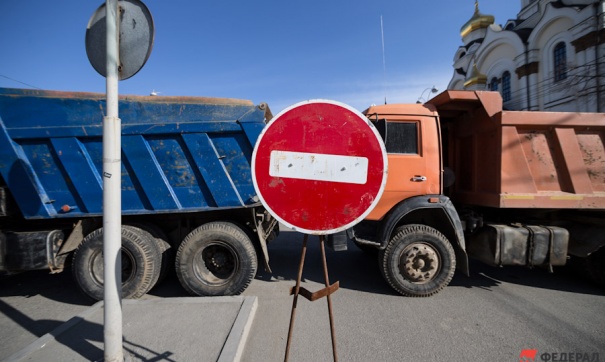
(166, 250)
(418, 261)
(217, 258)
(140, 263)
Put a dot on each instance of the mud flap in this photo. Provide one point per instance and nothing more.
(339, 241)
(265, 229)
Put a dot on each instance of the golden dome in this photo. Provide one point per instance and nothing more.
(476, 77)
(477, 21)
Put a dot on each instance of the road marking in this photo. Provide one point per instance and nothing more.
(319, 167)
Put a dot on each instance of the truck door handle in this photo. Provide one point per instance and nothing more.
(418, 178)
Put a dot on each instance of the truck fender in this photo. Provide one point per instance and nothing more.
(436, 211)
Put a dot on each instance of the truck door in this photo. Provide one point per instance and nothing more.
(412, 145)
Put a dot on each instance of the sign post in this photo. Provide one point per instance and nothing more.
(126, 50)
(319, 167)
(112, 197)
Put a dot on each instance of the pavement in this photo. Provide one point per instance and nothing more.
(172, 329)
(493, 315)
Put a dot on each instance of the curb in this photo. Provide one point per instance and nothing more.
(236, 341)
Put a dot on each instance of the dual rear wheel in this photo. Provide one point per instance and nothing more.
(217, 258)
(139, 259)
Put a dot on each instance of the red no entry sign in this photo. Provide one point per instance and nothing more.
(319, 167)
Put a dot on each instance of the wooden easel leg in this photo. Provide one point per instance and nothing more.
(296, 292)
(325, 292)
(327, 283)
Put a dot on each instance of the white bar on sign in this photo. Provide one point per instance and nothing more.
(319, 167)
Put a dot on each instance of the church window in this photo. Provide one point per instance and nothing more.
(493, 84)
(560, 62)
(506, 86)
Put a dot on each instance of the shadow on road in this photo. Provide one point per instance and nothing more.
(358, 270)
(77, 334)
(570, 278)
(354, 269)
(58, 287)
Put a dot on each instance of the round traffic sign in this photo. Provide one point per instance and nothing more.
(319, 167)
(135, 40)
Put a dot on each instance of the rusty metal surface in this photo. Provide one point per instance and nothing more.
(295, 299)
(380, 111)
(521, 159)
(313, 296)
(329, 299)
(325, 292)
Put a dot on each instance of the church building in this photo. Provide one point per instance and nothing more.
(551, 57)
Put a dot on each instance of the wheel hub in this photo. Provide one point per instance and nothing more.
(218, 263)
(218, 259)
(419, 262)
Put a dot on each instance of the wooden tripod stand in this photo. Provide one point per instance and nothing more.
(325, 292)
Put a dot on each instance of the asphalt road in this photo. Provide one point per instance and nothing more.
(490, 316)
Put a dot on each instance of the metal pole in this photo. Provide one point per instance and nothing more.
(295, 300)
(330, 314)
(112, 200)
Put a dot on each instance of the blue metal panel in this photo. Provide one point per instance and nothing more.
(180, 154)
(235, 152)
(80, 174)
(178, 171)
(253, 130)
(18, 173)
(63, 109)
(212, 170)
(127, 129)
(148, 173)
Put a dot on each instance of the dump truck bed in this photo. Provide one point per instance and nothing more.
(519, 159)
(179, 154)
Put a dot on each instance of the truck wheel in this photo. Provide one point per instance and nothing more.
(595, 265)
(418, 261)
(166, 250)
(140, 263)
(217, 258)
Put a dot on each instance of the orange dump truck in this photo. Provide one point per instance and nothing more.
(469, 178)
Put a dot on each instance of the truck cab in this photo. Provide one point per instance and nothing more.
(411, 136)
(415, 227)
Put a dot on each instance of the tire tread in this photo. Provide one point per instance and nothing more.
(203, 232)
(418, 290)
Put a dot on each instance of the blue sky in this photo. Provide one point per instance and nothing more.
(279, 52)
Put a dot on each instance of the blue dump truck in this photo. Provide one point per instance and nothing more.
(187, 193)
